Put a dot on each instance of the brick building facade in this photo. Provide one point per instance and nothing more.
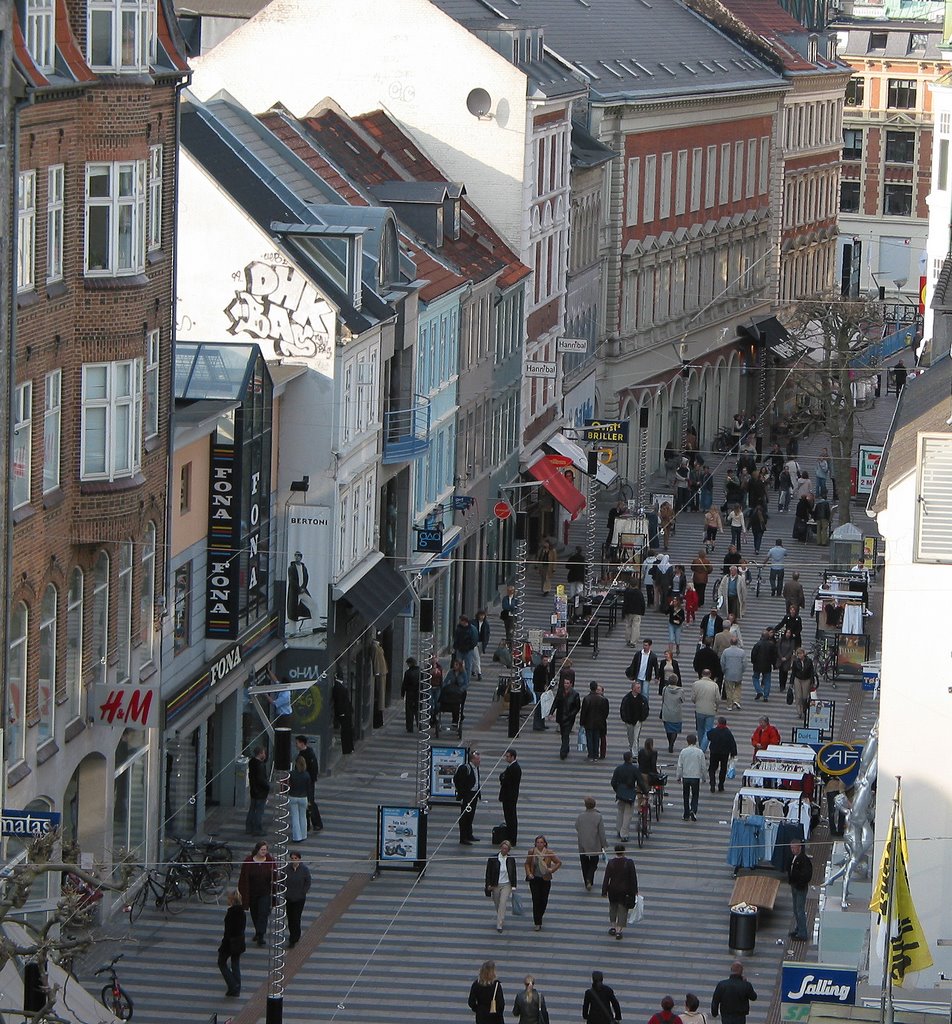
(96, 172)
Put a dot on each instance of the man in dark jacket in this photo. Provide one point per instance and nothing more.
(594, 720)
(314, 820)
(566, 708)
(465, 639)
(410, 692)
(733, 996)
(600, 1005)
(706, 658)
(627, 781)
(722, 747)
(632, 611)
(763, 659)
(542, 676)
(575, 572)
(258, 789)
(620, 885)
(633, 712)
(468, 785)
(510, 780)
(799, 874)
(712, 623)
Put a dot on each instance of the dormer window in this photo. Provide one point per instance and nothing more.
(121, 35)
(527, 49)
(41, 34)
(515, 50)
(812, 49)
(539, 46)
(877, 41)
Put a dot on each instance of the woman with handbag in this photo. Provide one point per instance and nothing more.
(530, 1006)
(600, 1005)
(803, 672)
(620, 885)
(485, 996)
(232, 944)
(541, 864)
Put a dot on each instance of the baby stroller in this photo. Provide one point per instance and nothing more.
(452, 698)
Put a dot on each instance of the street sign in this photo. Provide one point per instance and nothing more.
(605, 432)
(572, 345)
(502, 510)
(548, 370)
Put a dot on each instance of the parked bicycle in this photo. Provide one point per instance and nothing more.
(825, 664)
(657, 797)
(202, 868)
(114, 997)
(167, 891)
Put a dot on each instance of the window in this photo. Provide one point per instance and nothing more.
(681, 182)
(151, 395)
(812, 49)
(101, 614)
(918, 42)
(897, 200)
(852, 143)
(901, 93)
(632, 196)
(648, 207)
(120, 35)
(115, 218)
(147, 595)
(696, 163)
(74, 645)
(112, 419)
(22, 444)
(764, 164)
(52, 419)
(40, 34)
(751, 167)
(710, 179)
(849, 197)
(131, 794)
(942, 171)
(724, 181)
(900, 147)
(54, 222)
(855, 92)
(182, 608)
(15, 732)
(47, 682)
(934, 504)
(185, 488)
(155, 197)
(877, 41)
(664, 199)
(26, 230)
(124, 613)
(738, 171)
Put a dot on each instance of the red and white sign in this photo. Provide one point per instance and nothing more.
(559, 461)
(132, 707)
(502, 510)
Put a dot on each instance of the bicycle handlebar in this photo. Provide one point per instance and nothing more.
(111, 964)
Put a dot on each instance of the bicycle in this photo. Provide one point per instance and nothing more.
(208, 876)
(657, 797)
(644, 820)
(625, 490)
(168, 893)
(825, 661)
(214, 853)
(723, 441)
(115, 999)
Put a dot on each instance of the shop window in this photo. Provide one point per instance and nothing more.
(74, 645)
(16, 683)
(47, 681)
(130, 794)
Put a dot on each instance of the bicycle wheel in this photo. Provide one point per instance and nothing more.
(116, 1001)
(176, 891)
(220, 861)
(137, 905)
(210, 885)
(658, 803)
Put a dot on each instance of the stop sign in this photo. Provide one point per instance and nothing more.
(502, 509)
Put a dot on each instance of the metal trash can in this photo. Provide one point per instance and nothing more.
(742, 936)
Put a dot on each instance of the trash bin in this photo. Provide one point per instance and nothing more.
(742, 937)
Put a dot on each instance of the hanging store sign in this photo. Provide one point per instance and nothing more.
(605, 432)
(868, 460)
(816, 983)
(572, 345)
(309, 541)
(132, 707)
(548, 370)
(28, 823)
(224, 532)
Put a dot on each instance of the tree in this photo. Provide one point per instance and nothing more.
(833, 341)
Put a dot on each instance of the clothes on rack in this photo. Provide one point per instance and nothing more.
(770, 837)
(852, 619)
(787, 832)
(774, 808)
(746, 848)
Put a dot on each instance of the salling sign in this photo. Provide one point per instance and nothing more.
(813, 983)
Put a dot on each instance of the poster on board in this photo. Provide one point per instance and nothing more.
(443, 764)
(401, 838)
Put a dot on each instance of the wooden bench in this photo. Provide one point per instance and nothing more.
(758, 890)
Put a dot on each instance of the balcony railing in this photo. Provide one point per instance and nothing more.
(406, 432)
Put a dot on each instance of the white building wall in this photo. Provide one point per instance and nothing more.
(939, 241)
(409, 59)
(915, 724)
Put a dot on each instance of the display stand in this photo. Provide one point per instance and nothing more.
(841, 610)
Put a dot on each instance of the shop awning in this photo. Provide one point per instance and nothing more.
(379, 595)
(564, 492)
(562, 445)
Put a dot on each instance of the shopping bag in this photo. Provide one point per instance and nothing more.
(518, 910)
(732, 768)
(545, 703)
(637, 912)
(790, 695)
(582, 741)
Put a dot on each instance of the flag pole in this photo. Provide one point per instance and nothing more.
(886, 1015)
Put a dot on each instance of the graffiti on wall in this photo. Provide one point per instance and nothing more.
(278, 306)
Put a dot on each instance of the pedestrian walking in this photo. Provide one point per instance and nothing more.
(666, 1015)
(541, 864)
(600, 1005)
(343, 708)
(632, 610)
(691, 1013)
(258, 789)
(738, 525)
(765, 735)
(786, 647)
(793, 622)
(713, 524)
(542, 676)
(692, 601)
(232, 944)
(299, 785)
(501, 880)
(634, 711)
(566, 708)
(705, 696)
(669, 672)
(822, 473)
(763, 660)
(799, 875)
(453, 693)
(676, 616)
(486, 998)
(594, 720)
(690, 771)
(803, 671)
(575, 573)
(733, 663)
(481, 625)
(304, 749)
(626, 782)
(465, 640)
(529, 1007)
(545, 565)
(701, 570)
(733, 996)
(732, 591)
(757, 525)
(510, 779)
(297, 881)
(467, 785)
(793, 593)
(776, 557)
(590, 829)
(785, 489)
(620, 885)
(648, 763)
(672, 711)
(256, 883)
(410, 693)
(722, 747)
(509, 612)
